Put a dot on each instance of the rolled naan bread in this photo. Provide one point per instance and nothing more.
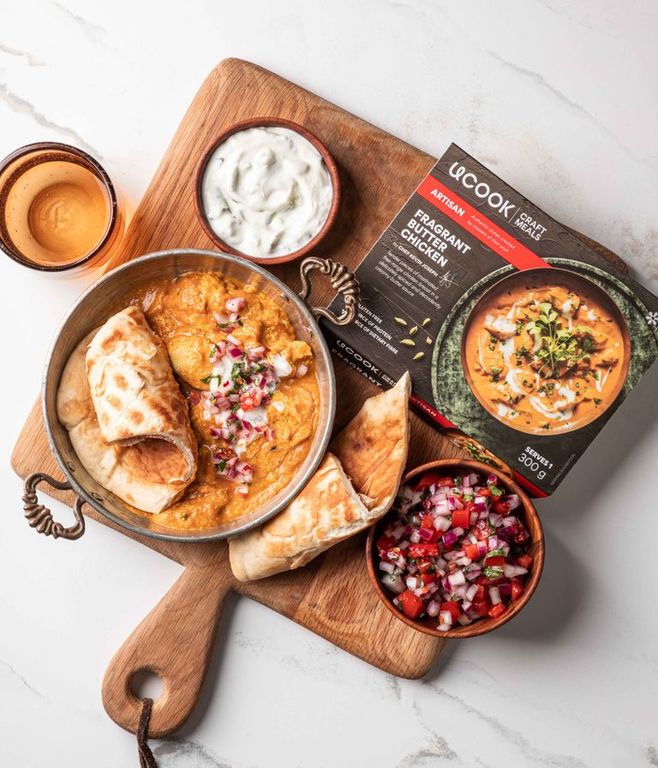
(145, 474)
(327, 511)
(133, 389)
(373, 447)
(342, 498)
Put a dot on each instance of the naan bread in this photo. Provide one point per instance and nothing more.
(133, 389)
(327, 511)
(139, 473)
(373, 447)
(348, 492)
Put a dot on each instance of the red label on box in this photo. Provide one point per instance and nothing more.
(478, 225)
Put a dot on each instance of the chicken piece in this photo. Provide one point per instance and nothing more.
(500, 326)
(190, 358)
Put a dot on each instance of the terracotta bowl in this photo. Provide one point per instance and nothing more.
(526, 512)
(257, 122)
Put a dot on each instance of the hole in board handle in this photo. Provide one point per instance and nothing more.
(146, 684)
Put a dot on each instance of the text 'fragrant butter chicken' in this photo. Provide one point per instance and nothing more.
(251, 386)
(545, 354)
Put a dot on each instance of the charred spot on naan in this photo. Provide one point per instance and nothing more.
(156, 459)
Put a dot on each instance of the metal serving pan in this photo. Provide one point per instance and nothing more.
(108, 296)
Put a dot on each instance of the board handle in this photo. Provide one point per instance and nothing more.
(174, 642)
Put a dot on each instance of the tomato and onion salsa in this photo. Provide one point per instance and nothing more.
(455, 549)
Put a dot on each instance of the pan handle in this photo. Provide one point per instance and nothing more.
(41, 517)
(342, 281)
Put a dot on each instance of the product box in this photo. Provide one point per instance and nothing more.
(515, 331)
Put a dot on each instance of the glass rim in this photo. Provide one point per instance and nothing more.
(101, 174)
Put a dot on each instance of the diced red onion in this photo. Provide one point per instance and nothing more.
(512, 571)
(445, 617)
(457, 578)
(235, 304)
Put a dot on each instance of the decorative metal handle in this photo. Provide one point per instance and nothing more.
(41, 517)
(342, 281)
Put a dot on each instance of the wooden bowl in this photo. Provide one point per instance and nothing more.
(526, 512)
(259, 122)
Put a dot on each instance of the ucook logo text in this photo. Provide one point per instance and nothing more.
(482, 190)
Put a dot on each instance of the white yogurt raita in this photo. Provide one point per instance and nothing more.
(266, 191)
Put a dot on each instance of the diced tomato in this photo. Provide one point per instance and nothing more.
(521, 536)
(482, 530)
(412, 605)
(394, 554)
(517, 589)
(481, 607)
(525, 561)
(251, 400)
(492, 581)
(429, 578)
(497, 610)
(385, 543)
(493, 560)
(423, 550)
(484, 492)
(460, 518)
(472, 551)
(481, 594)
(427, 521)
(453, 608)
(433, 478)
(424, 565)
(500, 507)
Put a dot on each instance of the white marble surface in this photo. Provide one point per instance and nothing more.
(559, 98)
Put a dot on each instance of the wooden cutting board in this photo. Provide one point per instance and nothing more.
(332, 596)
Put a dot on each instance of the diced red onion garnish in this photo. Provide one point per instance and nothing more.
(493, 543)
(443, 627)
(512, 501)
(494, 596)
(512, 571)
(445, 617)
(302, 371)
(242, 490)
(456, 578)
(449, 538)
(394, 583)
(433, 608)
(256, 353)
(235, 304)
(386, 567)
(442, 523)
